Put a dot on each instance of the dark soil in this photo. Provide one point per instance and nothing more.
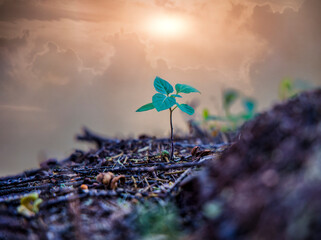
(266, 185)
(119, 175)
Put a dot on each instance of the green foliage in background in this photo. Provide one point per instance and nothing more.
(158, 221)
(288, 88)
(232, 120)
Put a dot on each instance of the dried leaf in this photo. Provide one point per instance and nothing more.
(105, 178)
(109, 179)
(195, 150)
(113, 184)
(204, 153)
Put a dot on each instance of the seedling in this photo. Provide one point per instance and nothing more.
(233, 120)
(289, 88)
(165, 153)
(165, 99)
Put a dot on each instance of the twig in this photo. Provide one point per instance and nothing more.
(141, 169)
(178, 181)
(181, 177)
(89, 136)
(91, 193)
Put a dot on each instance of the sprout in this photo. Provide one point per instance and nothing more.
(165, 99)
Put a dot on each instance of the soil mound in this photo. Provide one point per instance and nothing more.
(267, 185)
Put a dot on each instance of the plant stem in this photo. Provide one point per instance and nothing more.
(172, 142)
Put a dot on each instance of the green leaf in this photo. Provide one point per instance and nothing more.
(184, 88)
(186, 108)
(163, 86)
(249, 105)
(286, 89)
(162, 102)
(229, 97)
(165, 153)
(206, 114)
(217, 118)
(146, 107)
(176, 95)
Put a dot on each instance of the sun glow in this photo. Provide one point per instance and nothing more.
(167, 26)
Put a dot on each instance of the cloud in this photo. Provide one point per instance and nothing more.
(293, 42)
(275, 5)
(201, 5)
(14, 44)
(12, 50)
(20, 108)
(129, 60)
(215, 40)
(56, 65)
(32, 9)
(44, 10)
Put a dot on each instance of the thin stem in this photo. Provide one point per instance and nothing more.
(171, 125)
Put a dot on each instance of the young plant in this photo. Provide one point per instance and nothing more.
(286, 89)
(289, 88)
(233, 120)
(165, 99)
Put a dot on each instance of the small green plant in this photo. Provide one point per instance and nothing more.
(29, 205)
(165, 99)
(289, 88)
(158, 221)
(165, 153)
(233, 120)
(286, 89)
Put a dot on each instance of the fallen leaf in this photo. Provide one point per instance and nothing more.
(104, 178)
(195, 150)
(114, 181)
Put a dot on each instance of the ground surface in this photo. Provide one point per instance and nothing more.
(265, 184)
(90, 195)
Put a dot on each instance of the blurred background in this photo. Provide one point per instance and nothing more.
(69, 64)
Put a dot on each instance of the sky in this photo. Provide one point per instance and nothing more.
(69, 64)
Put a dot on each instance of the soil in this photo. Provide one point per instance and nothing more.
(265, 184)
(94, 194)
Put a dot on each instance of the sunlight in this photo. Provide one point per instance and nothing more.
(167, 26)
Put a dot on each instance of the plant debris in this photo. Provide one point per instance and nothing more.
(92, 195)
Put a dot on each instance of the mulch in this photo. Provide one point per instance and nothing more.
(81, 194)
